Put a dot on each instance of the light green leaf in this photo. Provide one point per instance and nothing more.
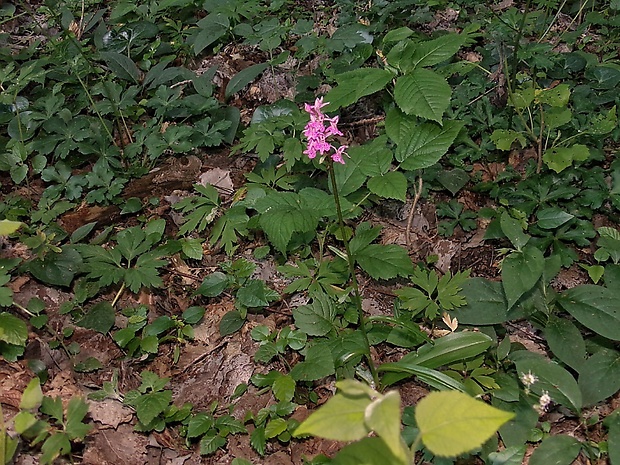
(32, 395)
(560, 158)
(383, 417)
(13, 330)
(423, 93)
(392, 185)
(599, 376)
(504, 138)
(55, 445)
(509, 456)
(76, 411)
(317, 318)
(425, 144)
(559, 449)
(210, 443)
(368, 451)
(557, 116)
(520, 272)
(557, 96)
(595, 307)
(9, 227)
(552, 378)
(565, 341)
(384, 261)
(192, 248)
(341, 418)
(284, 388)
(452, 423)
(275, 427)
(356, 84)
(244, 77)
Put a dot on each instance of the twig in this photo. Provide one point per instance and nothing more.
(418, 193)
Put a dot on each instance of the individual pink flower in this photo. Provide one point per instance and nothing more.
(317, 132)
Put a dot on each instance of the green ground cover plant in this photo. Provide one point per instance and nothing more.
(500, 118)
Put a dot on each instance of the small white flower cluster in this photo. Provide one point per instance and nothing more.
(528, 379)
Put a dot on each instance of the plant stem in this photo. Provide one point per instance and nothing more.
(356, 291)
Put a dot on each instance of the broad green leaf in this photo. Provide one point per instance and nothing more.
(452, 423)
(341, 418)
(613, 438)
(199, 424)
(423, 93)
(149, 406)
(231, 322)
(275, 427)
(284, 388)
(392, 185)
(513, 231)
(212, 27)
(551, 218)
(552, 378)
(350, 176)
(375, 157)
(520, 272)
(595, 307)
(368, 451)
(253, 294)
(317, 318)
(599, 376)
(356, 84)
(213, 285)
(559, 449)
(100, 317)
(486, 303)
(396, 35)
(560, 158)
(425, 144)
(383, 417)
(504, 138)
(32, 395)
(210, 443)
(76, 411)
(435, 379)
(55, 445)
(12, 329)
(509, 456)
(121, 65)
(318, 364)
(565, 341)
(9, 227)
(556, 117)
(384, 261)
(193, 315)
(557, 96)
(603, 123)
(192, 248)
(453, 180)
(56, 268)
(432, 52)
(244, 77)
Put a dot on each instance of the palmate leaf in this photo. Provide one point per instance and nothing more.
(423, 93)
(452, 423)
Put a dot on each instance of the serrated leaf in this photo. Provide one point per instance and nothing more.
(432, 52)
(422, 146)
(520, 273)
(595, 307)
(192, 248)
(318, 364)
(199, 424)
(392, 185)
(284, 388)
(560, 158)
(55, 445)
(275, 427)
(423, 93)
(341, 418)
(76, 411)
(100, 317)
(13, 330)
(210, 443)
(317, 318)
(149, 406)
(121, 65)
(258, 440)
(559, 449)
(356, 84)
(384, 261)
(552, 378)
(244, 77)
(452, 423)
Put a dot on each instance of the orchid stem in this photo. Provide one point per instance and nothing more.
(356, 291)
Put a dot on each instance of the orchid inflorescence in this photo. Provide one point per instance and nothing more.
(319, 129)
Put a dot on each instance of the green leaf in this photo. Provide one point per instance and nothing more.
(199, 424)
(231, 322)
(317, 318)
(121, 65)
(100, 318)
(557, 96)
(368, 451)
(509, 456)
(318, 364)
(504, 138)
(520, 272)
(513, 231)
(552, 378)
(595, 307)
(13, 330)
(613, 439)
(56, 268)
(383, 417)
(356, 84)
(284, 388)
(341, 418)
(213, 285)
(559, 449)
(392, 185)
(565, 341)
(452, 423)
(432, 52)
(210, 443)
(258, 440)
(275, 427)
(560, 158)
(89, 365)
(599, 376)
(32, 395)
(551, 218)
(55, 445)
(9, 227)
(192, 248)
(486, 303)
(244, 77)
(423, 93)
(384, 261)
(350, 176)
(149, 406)
(212, 27)
(76, 411)
(193, 315)
(421, 146)
(453, 180)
